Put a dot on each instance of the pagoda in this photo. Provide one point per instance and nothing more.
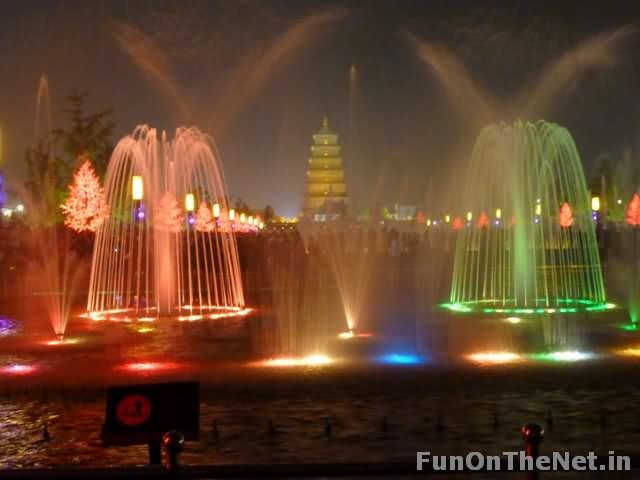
(326, 191)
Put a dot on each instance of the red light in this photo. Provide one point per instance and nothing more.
(148, 366)
(19, 369)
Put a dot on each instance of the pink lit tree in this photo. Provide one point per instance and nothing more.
(633, 211)
(457, 223)
(483, 220)
(168, 215)
(566, 215)
(205, 222)
(85, 208)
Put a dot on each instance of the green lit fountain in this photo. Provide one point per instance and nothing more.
(529, 245)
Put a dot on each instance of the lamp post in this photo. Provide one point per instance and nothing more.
(137, 194)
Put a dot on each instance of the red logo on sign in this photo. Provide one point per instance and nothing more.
(133, 410)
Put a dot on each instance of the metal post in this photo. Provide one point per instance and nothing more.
(532, 434)
(173, 443)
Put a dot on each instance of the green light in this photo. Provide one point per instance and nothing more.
(630, 327)
(570, 305)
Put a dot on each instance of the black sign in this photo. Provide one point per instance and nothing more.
(142, 414)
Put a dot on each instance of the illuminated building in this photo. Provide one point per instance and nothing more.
(326, 191)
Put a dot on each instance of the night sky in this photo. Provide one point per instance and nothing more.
(259, 77)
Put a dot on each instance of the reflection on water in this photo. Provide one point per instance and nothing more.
(358, 403)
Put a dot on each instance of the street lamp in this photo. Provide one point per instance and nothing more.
(216, 210)
(189, 202)
(137, 187)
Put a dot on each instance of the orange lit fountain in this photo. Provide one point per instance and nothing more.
(168, 246)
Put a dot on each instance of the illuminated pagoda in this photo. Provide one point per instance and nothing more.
(326, 191)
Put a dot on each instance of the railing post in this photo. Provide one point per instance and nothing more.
(532, 433)
(173, 443)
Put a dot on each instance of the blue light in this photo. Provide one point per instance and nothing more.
(401, 359)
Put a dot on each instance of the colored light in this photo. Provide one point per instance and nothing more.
(232, 214)
(19, 369)
(469, 216)
(145, 329)
(137, 187)
(308, 361)
(563, 356)
(140, 214)
(595, 204)
(632, 352)
(494, 357)
(498, 213)
(447, 218)
(189, 202)
(619, 201)
(428, 222)
(216, 210)
(148, 366)
(20, 208)
(496, 306)
(346, 335)
(514, 320)
(64, 341)
(401, 359)
(242, 218)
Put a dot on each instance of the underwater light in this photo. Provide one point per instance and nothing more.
(514, 320)
(564, 356)
(401, 359)
(148, 366)
(308, 361)
(494, 357)
(19, 369)
(630, 352)
(346, 335)
(63, 341)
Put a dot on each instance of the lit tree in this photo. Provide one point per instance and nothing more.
(85, 208)
(566, 215)
(421, 218)
(205, 222)
(483, 220)
(633, 211)
(168, 215)
(457, 223)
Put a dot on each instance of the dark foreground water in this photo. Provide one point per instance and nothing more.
(377, 412)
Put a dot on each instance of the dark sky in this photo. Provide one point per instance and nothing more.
(259, 76)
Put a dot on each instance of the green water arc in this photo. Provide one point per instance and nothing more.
(530, 245)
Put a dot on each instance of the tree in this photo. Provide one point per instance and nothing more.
(205, 222)
(483, 220)
(633, 211)
(457, 223)
(421, 218)
(268, 213)
(87, 134)
(168, 215)
(566, 215)
(85, 208)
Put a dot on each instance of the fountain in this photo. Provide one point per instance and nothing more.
(529, 245)
(168, 246)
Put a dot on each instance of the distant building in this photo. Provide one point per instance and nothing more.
(326, 192)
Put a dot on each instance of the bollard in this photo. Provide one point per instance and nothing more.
(532, 434)
(173, 443)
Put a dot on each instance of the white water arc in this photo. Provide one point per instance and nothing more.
(150, 256)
